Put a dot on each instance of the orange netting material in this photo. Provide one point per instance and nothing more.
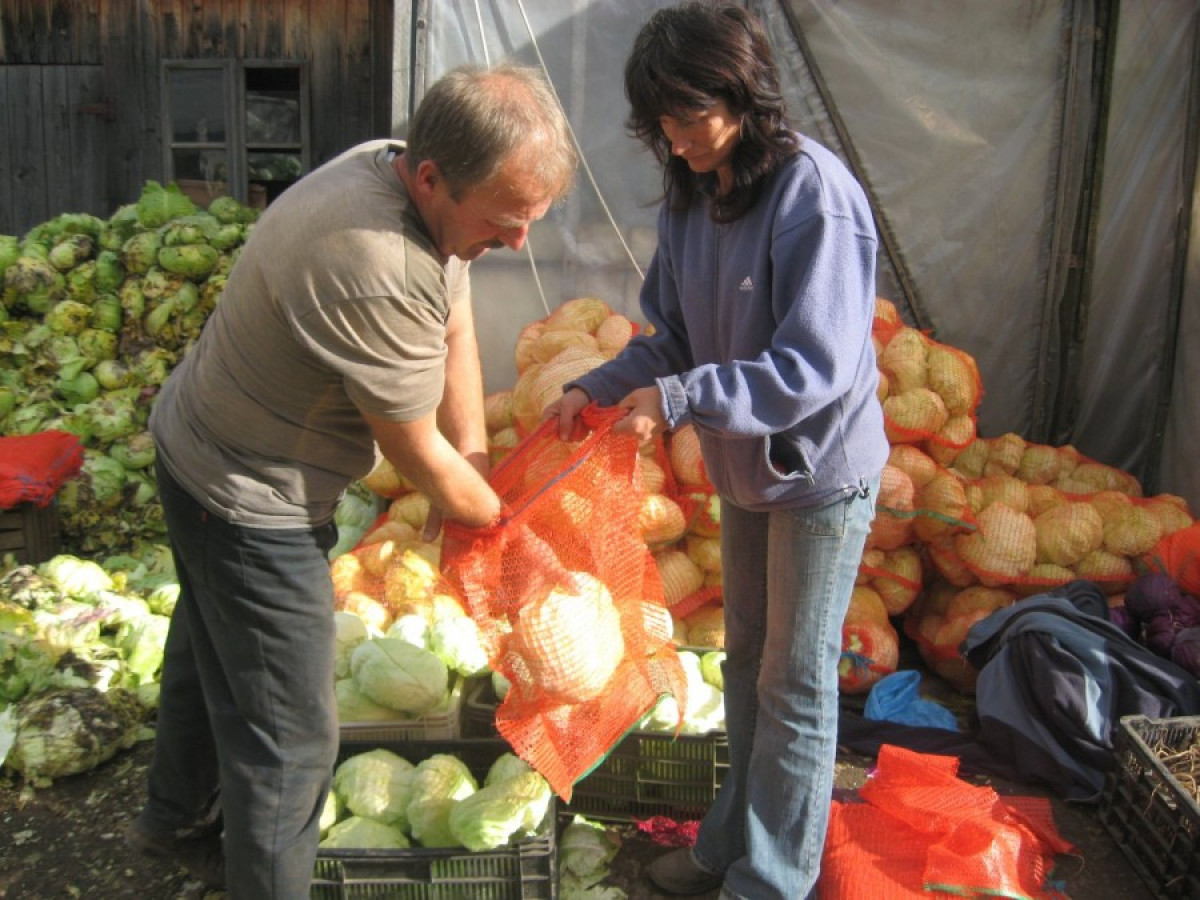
(922, 832)
(33, 467)
(571, 508)
(930, 391)
(1178, 554)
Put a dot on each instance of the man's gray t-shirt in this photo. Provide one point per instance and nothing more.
(336, 307)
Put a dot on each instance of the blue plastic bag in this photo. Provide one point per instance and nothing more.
(895, 698)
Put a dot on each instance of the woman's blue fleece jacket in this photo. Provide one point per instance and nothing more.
(761, 337)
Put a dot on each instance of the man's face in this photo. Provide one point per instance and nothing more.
(495, 213)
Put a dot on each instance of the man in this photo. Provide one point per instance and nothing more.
(345, 329)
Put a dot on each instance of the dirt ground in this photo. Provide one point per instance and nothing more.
(65, 841)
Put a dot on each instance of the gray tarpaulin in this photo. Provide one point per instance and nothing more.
(1029, 161)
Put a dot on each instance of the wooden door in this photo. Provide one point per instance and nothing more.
(54, 121)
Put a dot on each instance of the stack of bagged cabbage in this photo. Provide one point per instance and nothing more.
(966, 524)
(95, 314)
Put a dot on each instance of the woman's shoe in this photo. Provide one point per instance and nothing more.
(678, 872)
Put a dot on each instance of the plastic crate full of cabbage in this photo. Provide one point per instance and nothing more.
(436, 820)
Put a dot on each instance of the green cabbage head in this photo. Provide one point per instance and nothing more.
(376, 784)
(394, 673)
(67, 731)
(361, 833)
(439, 783)
(500, 812)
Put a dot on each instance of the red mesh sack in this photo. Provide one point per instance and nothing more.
(922, 832)
(1178, 554)
(567, 599)
(33, 467)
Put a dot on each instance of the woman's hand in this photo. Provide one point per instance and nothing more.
(566, 410)
(643, 418)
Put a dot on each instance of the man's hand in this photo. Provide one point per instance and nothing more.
(643, 418)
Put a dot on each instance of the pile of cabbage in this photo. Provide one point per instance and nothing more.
(81, 653)
(381, 800)
(413, 669)
(1166, 618)
(95, 314)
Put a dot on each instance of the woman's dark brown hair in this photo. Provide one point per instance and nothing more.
(685, 59)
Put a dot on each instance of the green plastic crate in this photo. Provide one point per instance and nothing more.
(647, 773)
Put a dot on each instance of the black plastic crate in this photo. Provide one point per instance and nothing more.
(1151, 816)
(444, 722)
(479, 710)
(527, 870)
(648, 773)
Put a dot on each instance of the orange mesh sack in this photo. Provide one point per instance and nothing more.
(568, 599)
(1178, 554)
(922, 832)
(33, 467)
(930, 392)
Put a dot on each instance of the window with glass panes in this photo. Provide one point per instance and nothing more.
(235, 127)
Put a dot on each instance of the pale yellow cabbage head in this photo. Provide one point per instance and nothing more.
(1004, 454)
(953, 437)
(918, 409)
(569, 638)
(579, 314)
(971, 460)
(914, 461)
(552, 342)
(1067, 532)
(1102, 566)
(1040, 464)
(679, 573)
(1003, 549)
(1171, 512)
(1007, 489)
(1133, 532)
(1042, 497)
(945, 496)
(952, 373)
(904, 360)
(613, 334)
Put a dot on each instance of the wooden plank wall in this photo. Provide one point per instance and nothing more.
(59, 55)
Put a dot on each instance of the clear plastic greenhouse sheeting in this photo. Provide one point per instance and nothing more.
(968, 123)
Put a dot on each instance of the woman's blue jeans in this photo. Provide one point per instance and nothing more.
(247, 721)
(787, 577)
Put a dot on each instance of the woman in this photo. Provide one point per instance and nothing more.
(761, 296)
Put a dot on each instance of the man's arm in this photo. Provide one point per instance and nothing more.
(445, 454)
(421, 453)
(460, 415)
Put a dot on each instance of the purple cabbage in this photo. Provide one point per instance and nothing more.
(1150, 594)
(1185, 652)
(1165, 611)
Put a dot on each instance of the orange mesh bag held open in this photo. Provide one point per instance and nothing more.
(568, 599)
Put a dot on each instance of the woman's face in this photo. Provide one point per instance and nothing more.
(705, 140)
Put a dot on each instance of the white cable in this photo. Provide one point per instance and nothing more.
(528, 243)
(578, 149)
